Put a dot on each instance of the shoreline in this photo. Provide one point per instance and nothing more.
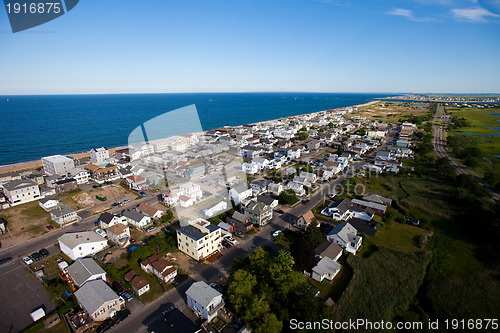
(31, 165)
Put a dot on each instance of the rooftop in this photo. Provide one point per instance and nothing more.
(202, 293)
(93, 294)
(83, 269)
(74, 239)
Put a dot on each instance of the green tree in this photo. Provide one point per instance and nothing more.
(313, 235)
(284, 258)
(141, 253)
(330, 125)
(288, 197)
(303, 136)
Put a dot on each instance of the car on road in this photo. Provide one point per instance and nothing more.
(27, 260)
(44, 252)
(151, 229)
(331, 195)
(114, 204)
(226, 244)
(127, 296)
(120, 316)
(239, 234)
(36, 256)
(305, 202)
(49, 227)
(106, 325)
(143, 194)
(117, 287)
(5, 260)
(276, 233)
(108, 183)
(231, 240)
(96, 223)
(280, 211)
(167, 310)
(125, 201)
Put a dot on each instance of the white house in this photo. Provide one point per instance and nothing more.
(171, 198)
(310, 176)
(326, 268)
(160, 268)
(78, 245)
(151, 211)
(99, 155)
(296, 187)
(99, 300)
(240, 193)
(339, 210)
(119, 234)
(57, 165)
(185, 201)
(107, 220)
(79, 174)
(48, 203)
(345, 235)
(275, 189)
(214, 210)
(63, 214)
(137, 219)
(204, 300)
(250, 168)
(84, 270)
(20, 191)
(191, 190)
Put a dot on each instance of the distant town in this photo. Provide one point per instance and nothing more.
(111, 234)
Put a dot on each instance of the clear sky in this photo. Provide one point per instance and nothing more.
(156, 46)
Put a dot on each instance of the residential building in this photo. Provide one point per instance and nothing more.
(9, 176)
(107, 220)
(199, 240)
(250, 168)
(78, 245)
(63, 214)
(377, 199)
(80, 174)
(204, 300)
(258, 212)
(20, 191)
(345, 235)
(305, 220)
(259, 186)
(275, 189)
(150, 211)
(296, 187)
(84, 270)
(240, 193)
(48, 203)
(191, 190)
(195, 171)
(326, 268)
(309, 176)
(103, 174)
(215, 210)
(57, 165)
(65, 186)
(135, 182)
(171, 198)
(137, 281)
(338, 210)
(137, 219)
(119, 234)
(240, 221)
(160, 268)
(267, 200)
(328, 249)
(99, 156)
(377, 208)
(98, 300)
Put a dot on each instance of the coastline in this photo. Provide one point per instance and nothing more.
(31, 165)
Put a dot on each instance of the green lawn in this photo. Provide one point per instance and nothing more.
(397, 236)
(479, 118)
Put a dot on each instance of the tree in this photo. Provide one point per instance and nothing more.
(284, 258)
(314, 235)
(288, 197)
(303, 255)
(141, 253)
(303, 136)
(330, 125)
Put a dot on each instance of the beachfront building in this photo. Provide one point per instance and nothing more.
(79, 174)
(103, 174)
(78, 245)
(20, 191)
(99, 155)
(199, 239)
(57, 165)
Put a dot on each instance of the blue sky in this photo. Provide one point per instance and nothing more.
(257, 45)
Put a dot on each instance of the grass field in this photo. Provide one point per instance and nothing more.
(28, 218)
(397, 236)
(391, 111)
(479, 119)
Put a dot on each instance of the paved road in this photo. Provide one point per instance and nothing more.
(440, 148)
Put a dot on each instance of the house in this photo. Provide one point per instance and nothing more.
(289, 171)
(338, 210)
(228, 228)
(63, 214)
(160, 268)
(240, 193)
(275, 188)
(328, 249)
(84, 270)
(48, 203)
(200, 239)
(195, 171)
(137, 281)
(119, 234)
(20, 191)
(57, 165)
(150, 211)
(136, 183)
(99, 155)
(215, 210)
(313, 145)
(305, 220)
(377, 199)
(171, 198)
(185, 201)
(78, 245)
(362, 213)
(301, 181)
(79, 174)
(326, 268)
(204, 300)
(250, 168)
(377, 208)
(65, 186)
(259, 186)
(8, 176)
(258, 212)
(137, 219)
(266, 200)
(240, 221)
(103, 174)
(345, 235)
(309, 176)
(191, 190)
(98, 300)
(107, 220)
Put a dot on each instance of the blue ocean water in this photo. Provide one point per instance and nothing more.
(37, 126)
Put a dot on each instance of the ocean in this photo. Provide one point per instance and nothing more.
(43, 125)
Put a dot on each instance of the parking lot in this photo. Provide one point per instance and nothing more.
(20, 294)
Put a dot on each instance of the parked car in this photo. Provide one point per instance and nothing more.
(108, 183)
(280, 211)
(239, 234)
(151, 229)
(167, 310)
(96, 223)
(36, 256)
(143, 194)
(4, 260)
(117, 287)
(305, 202)
(125, 201)
(231, 240)
(120, 316)
(106, 325)
(276, 233)
(27, 260)
(44, 252)
(115, 204)
(127, 296)
(226, 244)
(49, 227)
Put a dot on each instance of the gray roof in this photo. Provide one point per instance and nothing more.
(344, 231)
(74, 239)
(202, 293)
(61, 210)
(342, 205)
(240, 188)
(18, 184)
(93, 294)
(377, 199)
(239, 217)
(265, 199)
(195, 233)
(257, 207)
(328, 249)
(44, 200)
(83, 269)
(326, 265)
(106, 217)
(133, 215)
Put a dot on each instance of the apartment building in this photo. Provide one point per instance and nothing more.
(20, 191)
(57, 165)
(99, 155)
(199, 239)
